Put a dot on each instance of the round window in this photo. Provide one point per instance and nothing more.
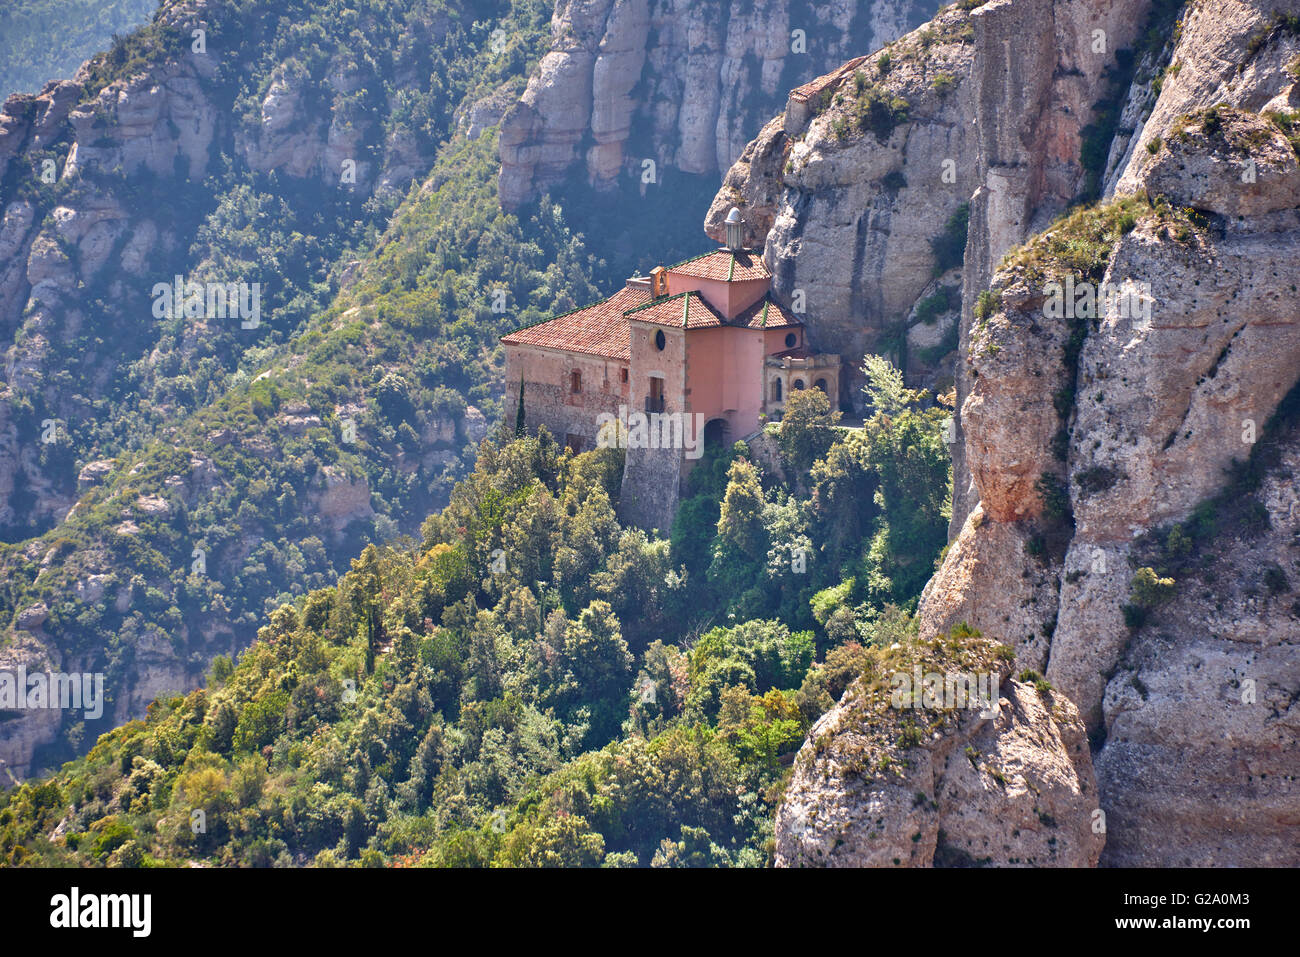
(660, 340)
(790, 340)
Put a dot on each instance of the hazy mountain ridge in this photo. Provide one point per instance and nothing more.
(674, 85)
(42, 40)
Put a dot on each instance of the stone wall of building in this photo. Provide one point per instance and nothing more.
(549, 399)
(651, 488)
(652, 477)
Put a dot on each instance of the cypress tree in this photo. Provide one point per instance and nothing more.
(519, 412)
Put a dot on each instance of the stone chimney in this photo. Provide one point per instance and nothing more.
(735, 230)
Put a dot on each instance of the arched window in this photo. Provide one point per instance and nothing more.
(821, 384)
(790, 340)
(575, 381)
(798, 384)
(776, 390)
(660, 340)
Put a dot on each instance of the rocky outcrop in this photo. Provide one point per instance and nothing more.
(883, 785)
(341, 498)
(978, 116)
(681, 84)
(1141, 433)
(1093, 444)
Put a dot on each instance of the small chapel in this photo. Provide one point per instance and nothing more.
(703, 337)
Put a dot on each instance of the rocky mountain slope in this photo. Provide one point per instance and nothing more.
(108, 190)
(680, 84)
(167, 477)
(1122, 515)
(165, 472)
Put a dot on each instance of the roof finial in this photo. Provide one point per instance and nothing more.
(735, 227)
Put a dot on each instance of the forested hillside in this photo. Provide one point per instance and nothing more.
(170, 481)
(532, 684)
(43, 40)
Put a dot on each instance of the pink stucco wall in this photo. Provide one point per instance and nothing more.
(774, 339)
(724, 369)
(668, 364)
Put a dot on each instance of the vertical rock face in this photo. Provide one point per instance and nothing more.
(1092, 445)
(1042, 65)
(684, 84)
(1192, 701)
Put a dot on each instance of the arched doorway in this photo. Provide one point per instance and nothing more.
(715, 433)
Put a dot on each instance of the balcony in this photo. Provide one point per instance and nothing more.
(654, 404)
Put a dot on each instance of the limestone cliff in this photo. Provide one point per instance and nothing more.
(863, 189)
(1105, 525)
(683, 84)
(1105, 445)
(885, 780)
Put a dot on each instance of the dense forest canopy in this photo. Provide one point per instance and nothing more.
(365, 383)
(530, 683)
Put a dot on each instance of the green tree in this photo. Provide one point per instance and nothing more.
(884, 387)
(599, 668)
(807, 428)
(740, 546)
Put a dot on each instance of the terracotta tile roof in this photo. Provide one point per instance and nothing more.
(600, 329)
(724, 264)
(811, 89)
(688, 310)
(765, 314)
